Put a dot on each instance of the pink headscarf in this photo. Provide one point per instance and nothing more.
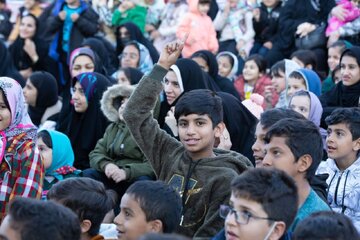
(20, 120)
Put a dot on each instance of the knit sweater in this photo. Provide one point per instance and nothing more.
(208, 178)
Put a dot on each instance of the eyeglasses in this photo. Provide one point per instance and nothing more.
(241, 217)
(132, 56)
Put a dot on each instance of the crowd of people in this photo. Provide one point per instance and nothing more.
(197, 119)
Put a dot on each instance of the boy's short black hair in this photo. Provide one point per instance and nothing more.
(302, 137)
(200, 101)
(39, 220)
(86, 197)
(158, 201)
(277, 68)
(272, 116)
(326, 225)
(273, 189)
(349, 116)
(46, 138)
(297, 75)
(259, 60)
(306, 57)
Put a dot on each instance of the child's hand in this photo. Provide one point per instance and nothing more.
(268, 45)
(256, 14)
(334, 36)
(171, 121)
(304, 29)
(171, 52)
(268, 94)
(30, 48)
(110, 169)
(62, 15)
(119, 175)
(225, 141)
(339, 12)
(74, 17)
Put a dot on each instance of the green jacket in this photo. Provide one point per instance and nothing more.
(210, 178)
(136, 15)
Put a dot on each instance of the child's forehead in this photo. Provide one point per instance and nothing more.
(241, 200)
(340, 126)
(194, 116)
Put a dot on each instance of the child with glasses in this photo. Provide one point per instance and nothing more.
(263, 204)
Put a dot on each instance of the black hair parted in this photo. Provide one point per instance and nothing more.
(277, 68)
(302, 137)
(165, 205)
(46, 138)
(272, 116)
(349, 116)
(273, 189)
(307, 57)
(200, 101)
(326, 225)
(296, 75)
(38, 220)
(88, 198)
(259, 60)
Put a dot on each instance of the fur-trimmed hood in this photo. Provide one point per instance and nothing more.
(107, 101)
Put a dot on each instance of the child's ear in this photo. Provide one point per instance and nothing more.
(156, 226)
(278, 231)
(85, 226)
(304, 163)
(356, 145)
(219, 129)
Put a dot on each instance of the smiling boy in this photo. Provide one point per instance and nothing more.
(200, 173)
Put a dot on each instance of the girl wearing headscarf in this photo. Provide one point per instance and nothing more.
(21, 168)
(347, 92)
(29, 52)
(130, 32)
(58, 156)
(136, 55)
(87, 123)
(7, 67)
(41, 95)
(128, 76)
(228, 65)
(240, 123)
(207, 61)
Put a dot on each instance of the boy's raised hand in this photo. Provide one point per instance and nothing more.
(171, 52)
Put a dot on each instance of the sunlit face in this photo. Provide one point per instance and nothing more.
(130, 57)
(295, 85)
(301, 104)
(224, 66)
(204, 8)
(131, 222)
(82, 63)
(251, 71)
(334, 55)
(350, 71)
(279, 82)
(79, 98)
(197, 134)
(340, 143)
(122, 79)
(30, 93)
(202, 63)
(258, 147)
(5, 114)
(45, 151)
(171, 87)
(27, 27)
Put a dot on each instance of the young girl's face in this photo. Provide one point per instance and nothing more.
(202, 63)
(130, 57)
(251, 71)
(82, 64)
(27, 27)
(171, 87)
(79, 98)
(350, 71)
(278, 82)
(334, 55)
(122, 108)
(337, 76)
(294, 85)
(30, 93)
(224, 66)
(45, 151)
(301, 104)
(122, 79)
(5, 114)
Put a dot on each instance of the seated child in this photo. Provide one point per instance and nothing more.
(263, 205)
(88, 199)
(303, 79)
(343, 164)
(295, 146)
(192, 166)
(128, 11)
(30, 219)
(196, 23)
(58, 157)
(352, 12)
(228, 65)
(117, 161)
(142, 211)
(326, 226)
